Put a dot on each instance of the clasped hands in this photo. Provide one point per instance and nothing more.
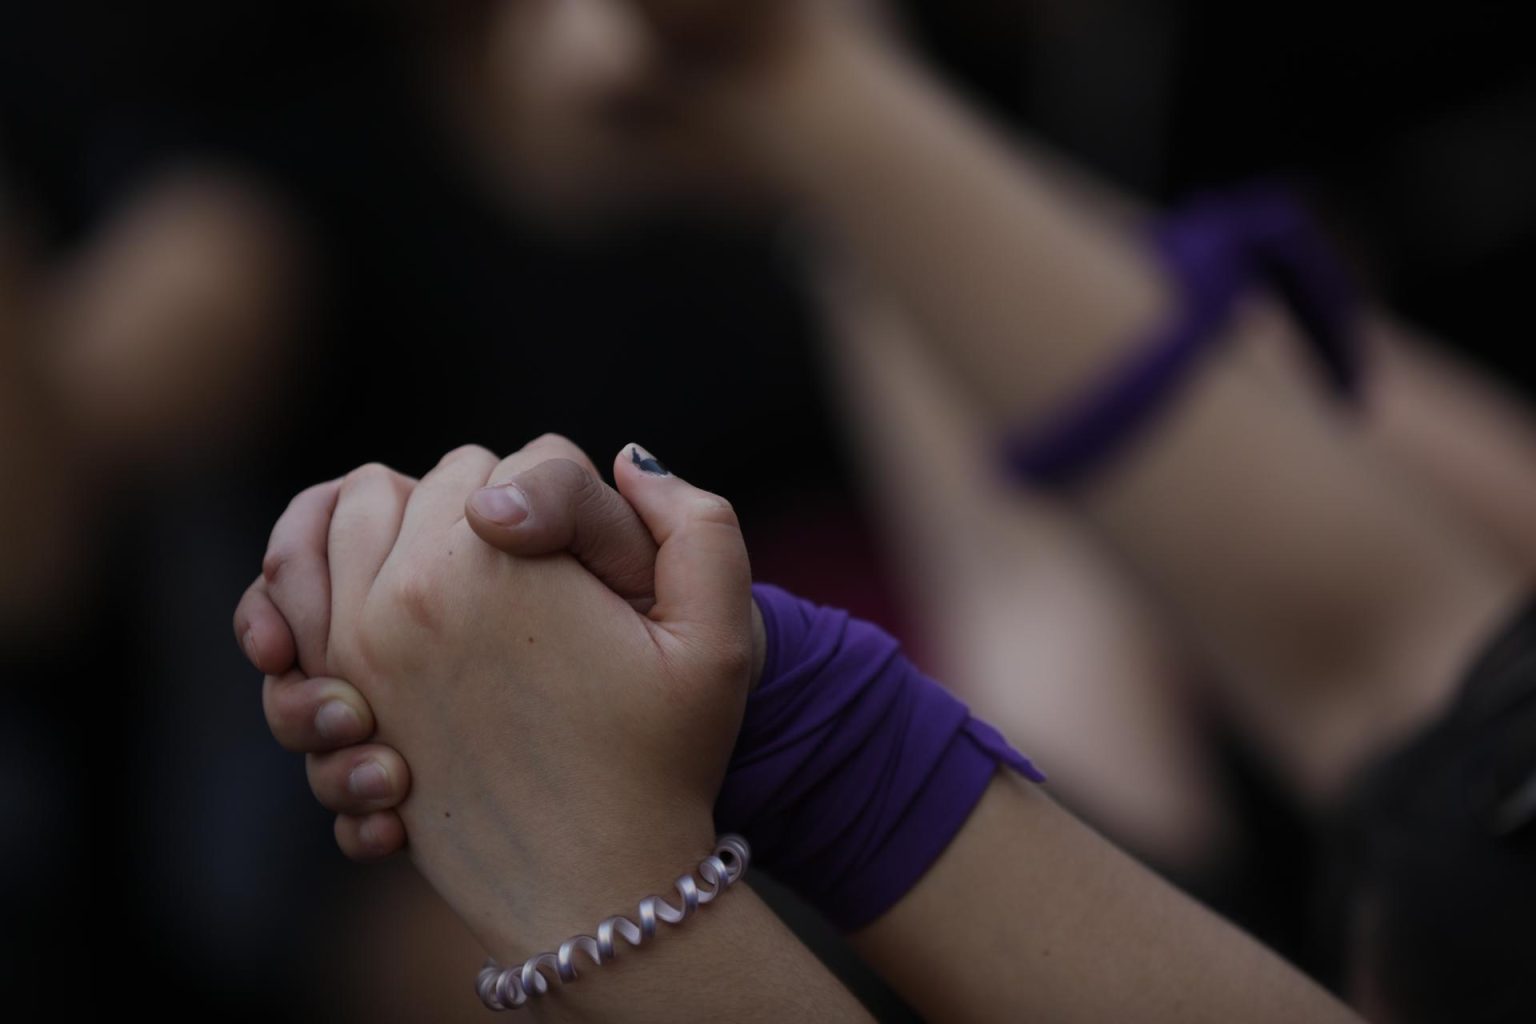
(534, 678)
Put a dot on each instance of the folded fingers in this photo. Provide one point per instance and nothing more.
(370, 509)
(359, 780)
(315, 715)
(563, 506)
(437, 503)
(297, 574)
(369, 837)
(262, 631)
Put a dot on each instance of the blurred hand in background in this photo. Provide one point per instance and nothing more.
(156, 341)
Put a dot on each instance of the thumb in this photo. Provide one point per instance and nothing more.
(703, 578)
(561, 505)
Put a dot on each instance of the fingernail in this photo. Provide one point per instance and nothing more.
(337, 722)
(248, 644)
(368, 834)
(369, 781)
(506, 505)
(647, 462)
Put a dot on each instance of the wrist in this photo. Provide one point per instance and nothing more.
(732, 960)
(652, 916)
(525, 902)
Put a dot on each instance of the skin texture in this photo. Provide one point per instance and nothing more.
(1321, 712)
(606, 792)
(1336, 604)
(1090, 904)
(1023, 253)
(1030, 621)
(1321, 696)
(1030, 910)
(562, 507)
(412, 594)
(1034, 622)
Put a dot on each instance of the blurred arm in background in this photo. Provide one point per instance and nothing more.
(1022, 613)
(1033, 621)
(161, 339)
(1337, 602)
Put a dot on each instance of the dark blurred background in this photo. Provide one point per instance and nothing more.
(157, 847)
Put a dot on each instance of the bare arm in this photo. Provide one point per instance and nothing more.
(1339, 604)
(1027, 915)
(1028, 909)
(1066, 927)
(1023, 615)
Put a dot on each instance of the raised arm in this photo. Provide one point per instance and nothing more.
(1338, 603)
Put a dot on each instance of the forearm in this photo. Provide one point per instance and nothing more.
(1028, 297)
(1302, 565)
(1022, 615)
(1031, 916)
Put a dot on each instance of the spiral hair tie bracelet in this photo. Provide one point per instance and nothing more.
(507, 988)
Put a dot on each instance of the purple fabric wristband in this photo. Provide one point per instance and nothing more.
(1215, 251)
(853, 770)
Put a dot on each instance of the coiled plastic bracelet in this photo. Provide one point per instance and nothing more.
(507, 988)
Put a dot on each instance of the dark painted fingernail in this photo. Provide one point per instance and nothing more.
(506, 505)
(647, 462)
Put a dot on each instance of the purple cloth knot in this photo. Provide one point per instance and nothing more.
(1215, 250)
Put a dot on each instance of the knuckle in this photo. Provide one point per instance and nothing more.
(276, 560)
(420, 594)
(550, 439)
(556, 446)
(366, 475)
(570, 478)
(475, 452)
(315, 493)
(246, 608)
(711, 508)
(567, 471)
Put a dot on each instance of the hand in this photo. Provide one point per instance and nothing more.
(567, 509)
(141, 344)
(420, 626)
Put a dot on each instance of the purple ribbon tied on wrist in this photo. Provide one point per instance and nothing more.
(853, 770)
